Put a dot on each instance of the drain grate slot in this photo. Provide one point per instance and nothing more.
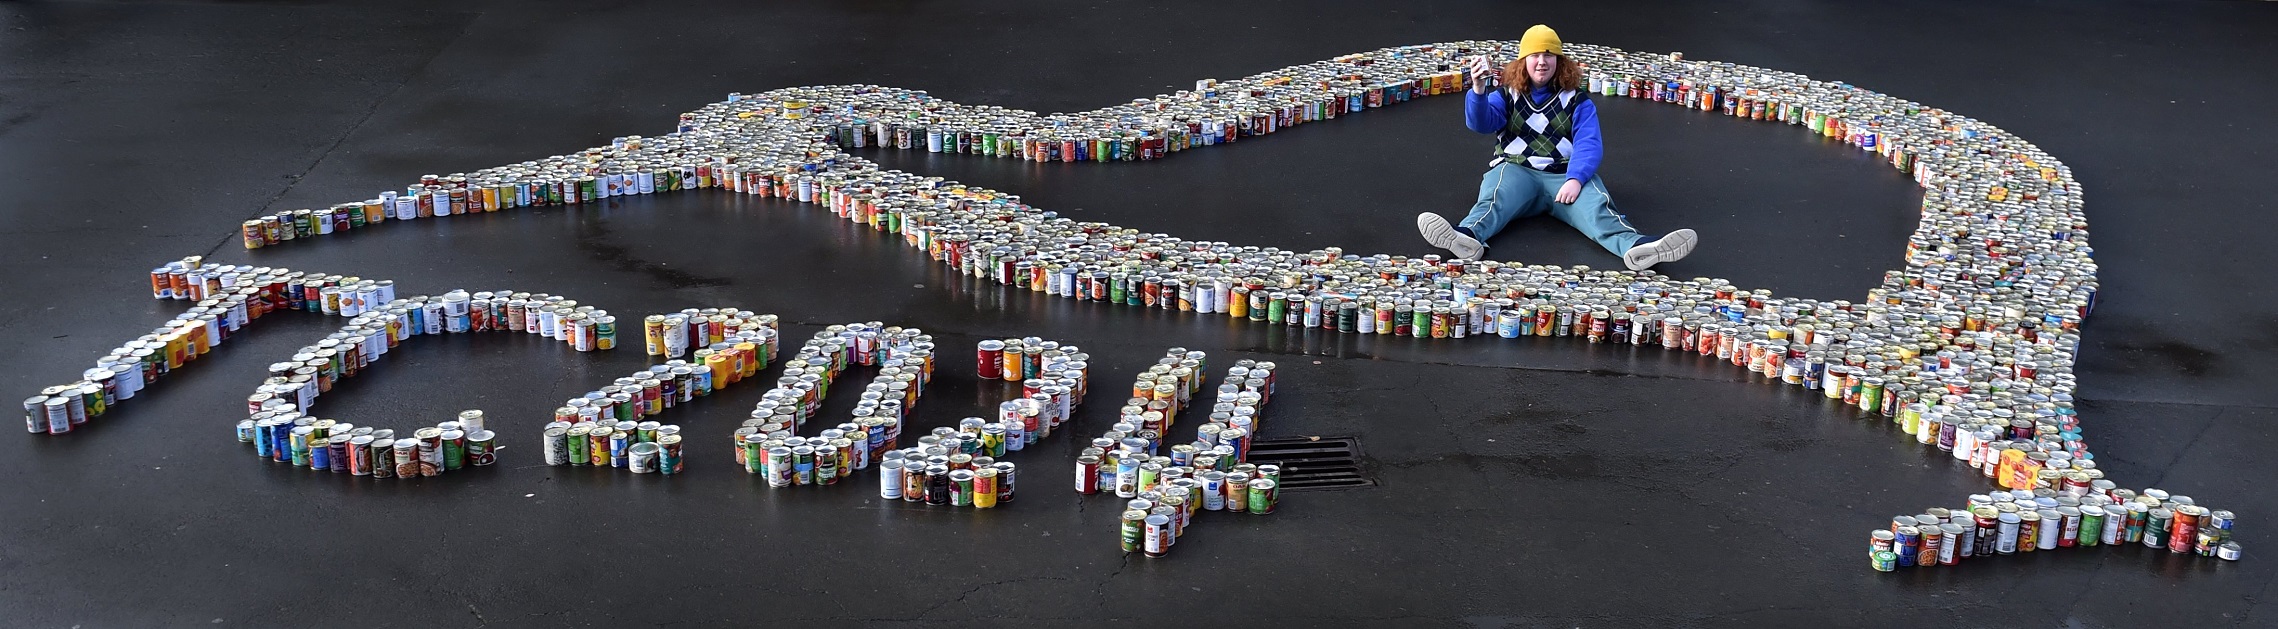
(1313, 462)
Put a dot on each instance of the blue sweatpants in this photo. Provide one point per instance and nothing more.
(1510, 191)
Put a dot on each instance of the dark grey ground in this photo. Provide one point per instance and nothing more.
(1522, 483)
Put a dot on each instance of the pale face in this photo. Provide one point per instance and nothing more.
(1540, 66)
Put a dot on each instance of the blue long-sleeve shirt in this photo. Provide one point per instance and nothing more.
(1487, 113)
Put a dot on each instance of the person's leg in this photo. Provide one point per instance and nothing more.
(1506, 193)
(1594, 215)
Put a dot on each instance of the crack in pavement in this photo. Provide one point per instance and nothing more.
(2186, 449)
(976, 589)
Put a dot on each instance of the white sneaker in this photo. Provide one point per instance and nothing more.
(1670, 248)
(1440, 234)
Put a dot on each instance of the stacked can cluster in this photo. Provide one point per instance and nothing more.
(610, 426)
(377, 326)
(955, 467)
(1998, 275)
(644, 447)
(433, 196)
(228, 297)
(2006, 523)
(958, 466)
(285, 435)
(1165, 489)
(1978, 327)
(768, 444)
(732, 335)
(710, 148)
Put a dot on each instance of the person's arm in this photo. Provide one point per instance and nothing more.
(1485, 113)
(1589, 148)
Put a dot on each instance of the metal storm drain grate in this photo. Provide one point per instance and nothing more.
(1313, 462)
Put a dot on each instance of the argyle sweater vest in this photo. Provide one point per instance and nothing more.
(1541, 136)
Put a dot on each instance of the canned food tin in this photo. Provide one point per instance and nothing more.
(642, 457)
(480, 448)
(407, 458)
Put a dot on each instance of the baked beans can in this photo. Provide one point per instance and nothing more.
(430, 444)
(407, 461)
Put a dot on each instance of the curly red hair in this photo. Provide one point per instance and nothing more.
(1567, 77)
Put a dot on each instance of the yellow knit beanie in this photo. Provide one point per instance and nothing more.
(1539, 38)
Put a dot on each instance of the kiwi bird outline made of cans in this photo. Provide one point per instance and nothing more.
(1967, 347)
